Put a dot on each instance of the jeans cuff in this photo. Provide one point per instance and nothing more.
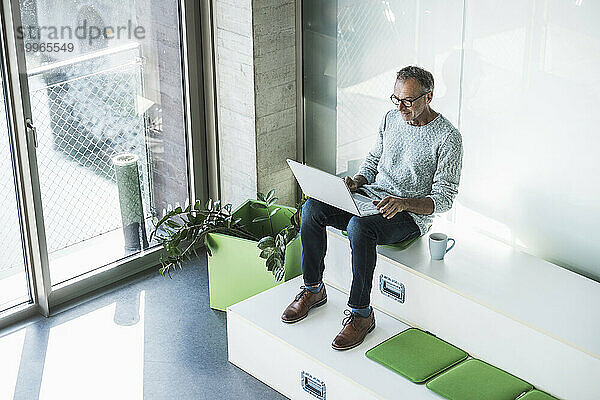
(313, 284)
(354, 306)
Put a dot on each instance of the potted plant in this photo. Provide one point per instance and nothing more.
(253, 248)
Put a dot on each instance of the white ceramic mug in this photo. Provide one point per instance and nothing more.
(438, 245)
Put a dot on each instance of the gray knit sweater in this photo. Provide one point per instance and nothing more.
(413, 162)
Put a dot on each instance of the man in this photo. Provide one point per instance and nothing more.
(412, 172)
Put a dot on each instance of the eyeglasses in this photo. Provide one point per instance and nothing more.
(406, 102)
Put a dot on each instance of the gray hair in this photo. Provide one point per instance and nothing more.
(425, 78)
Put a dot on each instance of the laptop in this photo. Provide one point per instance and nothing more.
(331, 189)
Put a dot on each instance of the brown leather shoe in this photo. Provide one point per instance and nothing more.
(304, 301)
(354, 331)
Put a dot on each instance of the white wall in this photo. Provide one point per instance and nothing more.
(522, 88)
(528, 117)
(375, 39)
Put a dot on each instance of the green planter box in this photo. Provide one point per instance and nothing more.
(235, 270)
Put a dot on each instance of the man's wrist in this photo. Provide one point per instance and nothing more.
(423, 205)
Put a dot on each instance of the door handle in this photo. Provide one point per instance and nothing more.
(31, 129)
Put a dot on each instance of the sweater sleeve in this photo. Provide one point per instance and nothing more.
(368, 168)
(447, 174)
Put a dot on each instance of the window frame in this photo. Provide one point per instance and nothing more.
(195, 29)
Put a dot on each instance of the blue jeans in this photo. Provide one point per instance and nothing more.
(364, 234)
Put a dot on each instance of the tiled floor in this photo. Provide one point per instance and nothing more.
(151, 338)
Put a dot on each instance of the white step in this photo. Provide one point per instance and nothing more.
(279, 353)
(522, 314)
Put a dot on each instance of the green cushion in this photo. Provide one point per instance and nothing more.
(402, 245)
(416, 355)
(476, 380)
(398, 246)
(537, 395)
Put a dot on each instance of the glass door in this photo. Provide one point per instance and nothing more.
(106, 94)
(14, 283)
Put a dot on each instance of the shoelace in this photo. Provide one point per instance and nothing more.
(303, 292)
(349, 319)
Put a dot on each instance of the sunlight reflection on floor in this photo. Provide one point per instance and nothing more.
(11, 348)
(92, 357)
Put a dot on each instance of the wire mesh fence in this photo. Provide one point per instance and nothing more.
(82, 122)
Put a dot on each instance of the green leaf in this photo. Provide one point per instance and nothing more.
(270, 195)
(278, 262)
(258, 205)
(218, 205)
(280, 252)
(172, 224)
(290, 234)
(265, 242)
(274, 211)
(266, 253)
(259, 219)
(197, 205)
(196, 219)
(273, 201)
(278, 240)
(260, 196)
(270, 263)
(279, 274)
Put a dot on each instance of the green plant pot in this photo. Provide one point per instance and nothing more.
(235, 270)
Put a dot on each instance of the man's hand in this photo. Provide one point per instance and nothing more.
(351, 183)
(354, 183)
(390, 206)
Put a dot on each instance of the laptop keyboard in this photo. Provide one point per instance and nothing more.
(365, 205)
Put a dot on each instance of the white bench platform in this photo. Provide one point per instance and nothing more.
(558, 302)
(529, 317)
(520, 313)
(278, 353)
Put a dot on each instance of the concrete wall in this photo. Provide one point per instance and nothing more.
(167, 142)
(256, 97)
